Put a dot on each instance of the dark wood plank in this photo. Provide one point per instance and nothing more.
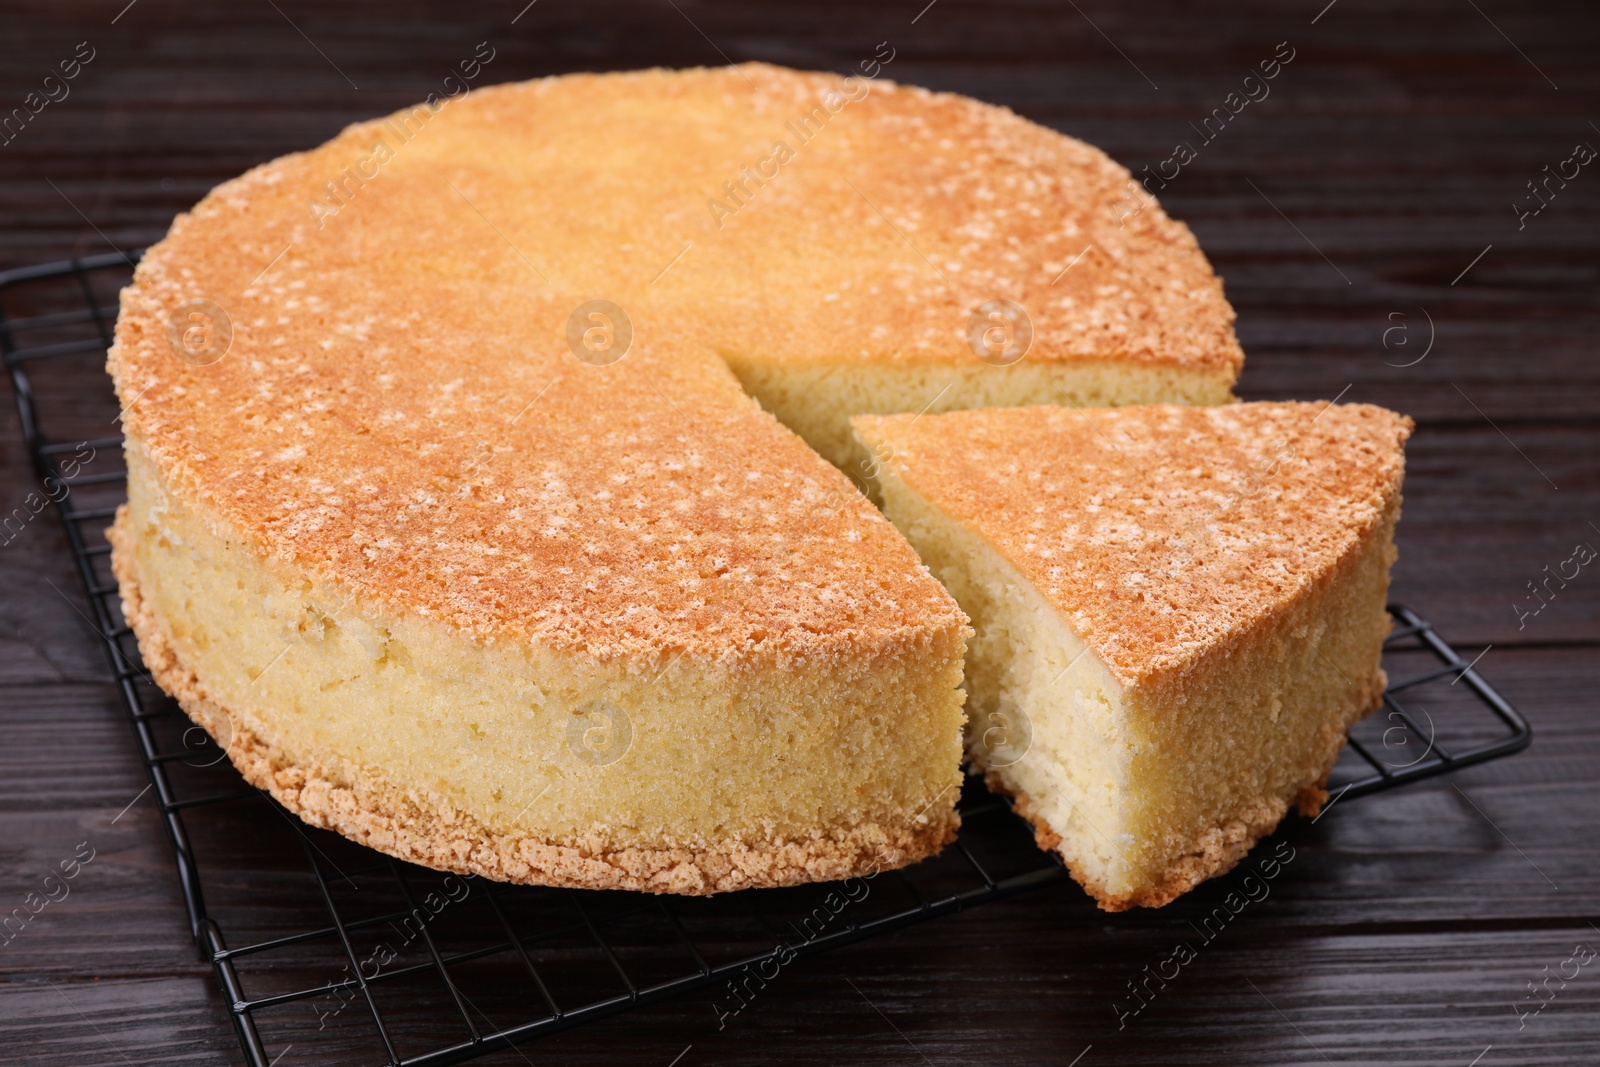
(1393, 146)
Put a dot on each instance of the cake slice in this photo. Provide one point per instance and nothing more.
(1179, 613)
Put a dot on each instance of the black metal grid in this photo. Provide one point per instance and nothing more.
(550, 959)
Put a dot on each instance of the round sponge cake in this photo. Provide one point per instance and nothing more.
(451, 514)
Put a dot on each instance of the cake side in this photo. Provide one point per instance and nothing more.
(678, 775)
(1255, 727)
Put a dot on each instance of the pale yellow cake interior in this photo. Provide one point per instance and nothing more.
(817, 400)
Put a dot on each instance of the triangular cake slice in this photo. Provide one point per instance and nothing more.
(1179, 613)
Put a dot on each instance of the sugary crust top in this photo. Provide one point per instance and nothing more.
(440, 451)
(399, 407)
(400, 413)
(864, 229)
(1158, 530)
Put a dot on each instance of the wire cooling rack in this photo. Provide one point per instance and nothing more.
(315, 938)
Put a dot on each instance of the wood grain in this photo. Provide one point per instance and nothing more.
(1348, 203)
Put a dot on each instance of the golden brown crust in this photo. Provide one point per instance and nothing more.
(485, 478)
(913, 208)
(399, 409)
(895, 215)
(358, 803)
(1252, 505)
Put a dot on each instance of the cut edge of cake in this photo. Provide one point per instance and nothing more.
(818, 400)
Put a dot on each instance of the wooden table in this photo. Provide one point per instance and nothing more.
(1365, 217)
